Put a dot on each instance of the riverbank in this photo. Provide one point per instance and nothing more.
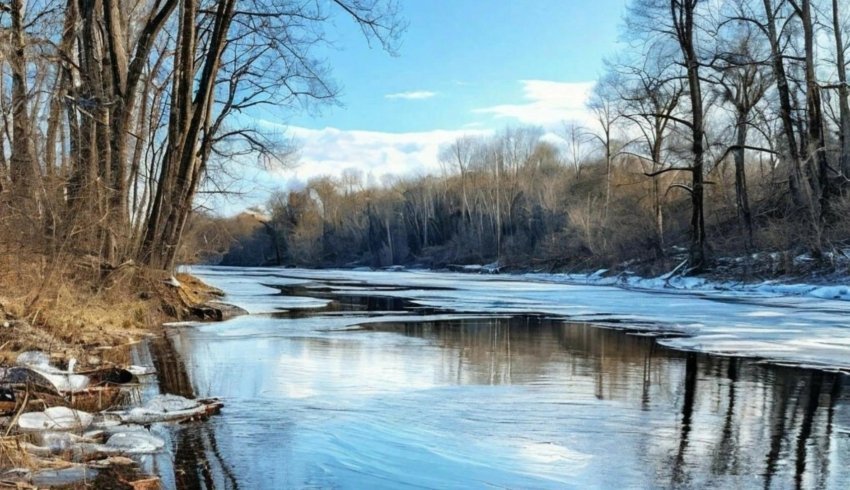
(58, 328)
(832, 287)
(73, 313)
(775, 273)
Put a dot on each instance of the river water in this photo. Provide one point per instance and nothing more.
(336, 383)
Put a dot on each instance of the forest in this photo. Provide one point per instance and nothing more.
(116, 114)
(721, 129)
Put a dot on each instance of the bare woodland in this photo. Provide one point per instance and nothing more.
(720, 128)
(115, 112)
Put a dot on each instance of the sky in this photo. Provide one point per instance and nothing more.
(462, 67)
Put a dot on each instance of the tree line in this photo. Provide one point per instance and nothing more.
(115, 114)
(512, 197)
(720, 127)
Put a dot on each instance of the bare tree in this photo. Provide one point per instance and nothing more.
(194, 125)
(742, 84)
(459, 154)
(843, 90)
(576, 137)
(650, 93)
(603, 105)
(677, 21)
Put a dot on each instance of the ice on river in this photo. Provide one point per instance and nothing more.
(261, 297)
(789, 324)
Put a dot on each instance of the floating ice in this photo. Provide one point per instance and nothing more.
(766, 320)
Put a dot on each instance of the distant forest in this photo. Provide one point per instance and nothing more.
(723, 128)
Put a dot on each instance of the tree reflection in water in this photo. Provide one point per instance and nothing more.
(739, 408)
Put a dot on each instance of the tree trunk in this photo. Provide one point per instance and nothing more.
(843, 93)
(607, 129)
(85, 193)
(683, 13)
(741, 194)
(185, 158)
(22, 165)
(658, 210)
(816, 144)
(795, 175)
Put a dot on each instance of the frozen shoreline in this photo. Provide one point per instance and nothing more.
(773, 288)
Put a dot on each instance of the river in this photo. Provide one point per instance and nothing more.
(344, 379)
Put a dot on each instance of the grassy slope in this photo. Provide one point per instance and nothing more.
(87, 313)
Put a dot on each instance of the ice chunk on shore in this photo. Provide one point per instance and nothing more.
(63, 380)
(141, 370)
(55, 418)
(169, 403)
(63, 476)
(33, 358)
(163, 408)
(57, 442)
(135, 442)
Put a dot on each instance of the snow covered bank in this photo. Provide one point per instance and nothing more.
(697, 284)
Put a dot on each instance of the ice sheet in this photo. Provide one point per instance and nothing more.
(796, 324)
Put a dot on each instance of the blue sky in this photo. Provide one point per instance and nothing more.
(463, 66)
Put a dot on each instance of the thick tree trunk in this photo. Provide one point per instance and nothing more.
(154, 249)
(22, 165)
(816, 144)
(119, 114)
(86, 197)
(683, 17)
(185, 158)
(106, 193)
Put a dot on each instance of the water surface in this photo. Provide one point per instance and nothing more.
(372, 391)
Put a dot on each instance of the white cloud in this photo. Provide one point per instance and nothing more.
(375, 154)
(412, 95)
(548, 103)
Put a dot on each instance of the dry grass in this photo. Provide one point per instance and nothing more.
(195, 291)
(78, 310)
(13, 454)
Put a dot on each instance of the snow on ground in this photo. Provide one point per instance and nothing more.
(679, 283)
(792, 324)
